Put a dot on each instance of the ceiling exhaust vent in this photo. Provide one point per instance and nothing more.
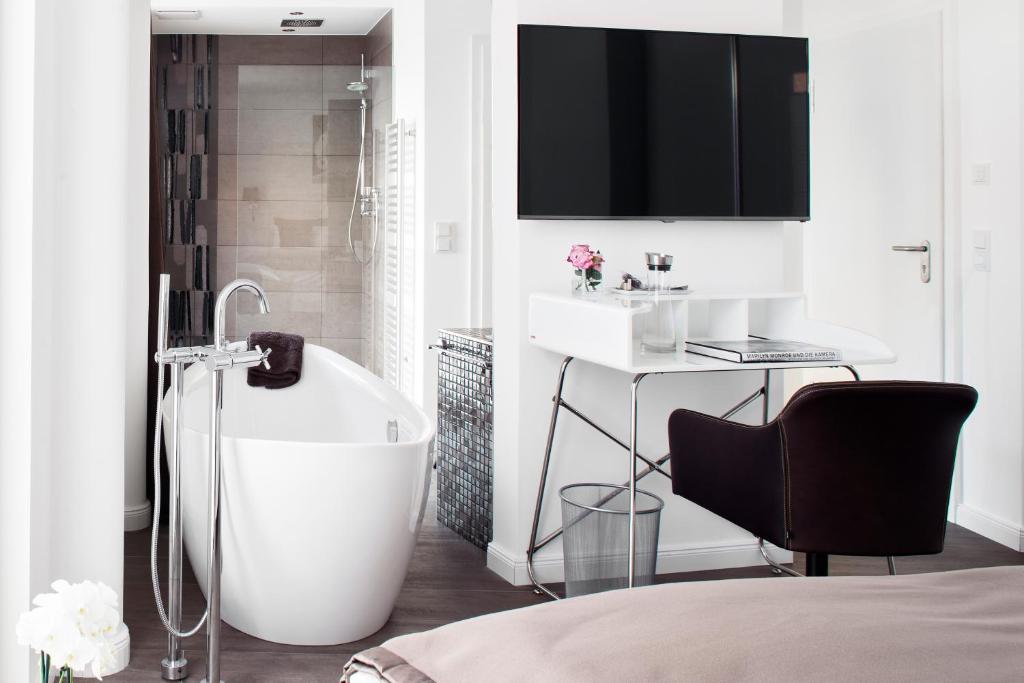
(301, 23)
(176, 14)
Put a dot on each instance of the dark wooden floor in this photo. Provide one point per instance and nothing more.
(447, 582)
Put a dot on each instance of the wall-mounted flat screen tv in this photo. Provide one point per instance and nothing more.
(663, 125)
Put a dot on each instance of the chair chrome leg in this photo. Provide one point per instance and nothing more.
(892, 565)
(776, 567)
(853, 371)
(539, 588)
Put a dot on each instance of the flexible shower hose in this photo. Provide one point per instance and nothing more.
(360, 179)
(155, 535)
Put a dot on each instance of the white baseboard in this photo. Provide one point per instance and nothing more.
(671, 559)
(995, 528)
(138, 517)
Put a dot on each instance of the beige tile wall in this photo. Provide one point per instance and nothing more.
(287, 135)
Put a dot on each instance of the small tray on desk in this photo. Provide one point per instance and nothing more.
(647, 294)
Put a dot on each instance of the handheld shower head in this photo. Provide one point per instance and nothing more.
(361, 85)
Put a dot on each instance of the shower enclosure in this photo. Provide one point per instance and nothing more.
(268, 165)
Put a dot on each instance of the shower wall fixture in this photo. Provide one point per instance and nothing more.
(260, 140)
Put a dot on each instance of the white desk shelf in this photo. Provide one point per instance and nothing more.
(606, 329)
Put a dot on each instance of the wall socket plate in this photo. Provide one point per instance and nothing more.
(981, 174)
(444, 236)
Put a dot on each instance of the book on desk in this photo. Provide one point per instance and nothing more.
(760, 350)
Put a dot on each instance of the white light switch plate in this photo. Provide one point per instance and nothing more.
(982, 252)
(444, 236)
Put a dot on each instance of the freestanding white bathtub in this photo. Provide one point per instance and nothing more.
(319, 511)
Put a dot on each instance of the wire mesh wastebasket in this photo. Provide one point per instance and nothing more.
(595, 549)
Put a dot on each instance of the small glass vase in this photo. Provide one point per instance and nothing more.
(585, 282)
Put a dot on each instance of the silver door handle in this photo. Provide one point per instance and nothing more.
(924, 249)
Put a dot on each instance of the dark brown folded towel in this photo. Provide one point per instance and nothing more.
(285, 360)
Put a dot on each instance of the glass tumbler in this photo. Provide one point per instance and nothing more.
(659, 335)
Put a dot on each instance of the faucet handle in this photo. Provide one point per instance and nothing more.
(264, 354)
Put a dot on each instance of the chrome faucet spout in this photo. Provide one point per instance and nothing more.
(219, 339)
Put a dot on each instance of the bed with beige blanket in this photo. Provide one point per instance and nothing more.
(952, 626)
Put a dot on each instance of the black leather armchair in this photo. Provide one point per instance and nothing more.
(849, 468)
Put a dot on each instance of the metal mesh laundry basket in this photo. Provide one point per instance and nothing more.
(465, 428)
(595, 548)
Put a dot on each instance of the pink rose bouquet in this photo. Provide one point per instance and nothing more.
(586, 266)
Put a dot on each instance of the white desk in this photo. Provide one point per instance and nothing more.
(566, 325)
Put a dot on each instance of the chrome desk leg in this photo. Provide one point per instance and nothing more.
(631, 559)
(556, 403)
(765, 391)
(634, 476)
(853, 371)
(652, 465)
(743, 404)
(892, 565)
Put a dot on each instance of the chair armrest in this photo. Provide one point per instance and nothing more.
(733, 470)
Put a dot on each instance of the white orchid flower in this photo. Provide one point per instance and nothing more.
(75, 625)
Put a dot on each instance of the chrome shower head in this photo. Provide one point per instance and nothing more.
(358, 86)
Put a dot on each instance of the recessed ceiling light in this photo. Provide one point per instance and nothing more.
(288, 30)
(296, 14)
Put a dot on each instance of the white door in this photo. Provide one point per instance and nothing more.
(876, 183)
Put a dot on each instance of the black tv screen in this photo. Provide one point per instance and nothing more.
(619, 123)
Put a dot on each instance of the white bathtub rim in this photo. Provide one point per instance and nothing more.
(383, 446)
(425, 428)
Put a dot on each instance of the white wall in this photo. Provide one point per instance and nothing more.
(64, 240)
(448, 126)
(22, 514)
(529, 256)
(985, 76)
(990, 74)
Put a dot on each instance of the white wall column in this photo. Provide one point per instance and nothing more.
(70, 199)
(20, 525)
(137, 509)
(448, 174)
